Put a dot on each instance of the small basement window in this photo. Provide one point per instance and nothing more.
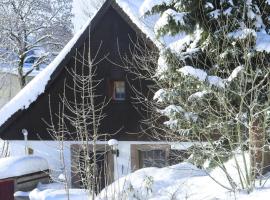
(119, 90)
(152, 158)
(149, 155)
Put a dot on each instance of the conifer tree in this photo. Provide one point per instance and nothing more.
(215, 75)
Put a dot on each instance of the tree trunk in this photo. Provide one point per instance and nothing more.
(256, 146)
(21, 76)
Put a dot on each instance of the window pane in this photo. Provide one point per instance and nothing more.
(152, 158)
(119, 90)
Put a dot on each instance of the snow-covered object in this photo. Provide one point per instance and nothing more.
(242, 33)
(21, 194)
(160, 95)
(262, 38)
(235, 72)
(197, 95)
(194, 72)
(216, 81)
(37, 86)
(62, 177)
(172, 111)
(162, 66)
(112, 142)
(263, 42)
(21, 165)
(166, 16)
(56, 191)
(185, 43)
(54, 194)
(215, 13)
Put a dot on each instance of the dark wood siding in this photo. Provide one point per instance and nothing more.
(114, 37)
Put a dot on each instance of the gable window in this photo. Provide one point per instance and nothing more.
(119, 90)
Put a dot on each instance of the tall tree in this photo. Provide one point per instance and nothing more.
(32, 25)
(215, 78)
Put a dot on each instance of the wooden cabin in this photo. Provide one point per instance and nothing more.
(111, 35)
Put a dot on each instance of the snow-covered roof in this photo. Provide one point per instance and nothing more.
(21, 165)
(36, 87)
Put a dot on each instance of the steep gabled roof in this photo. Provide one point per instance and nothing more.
(127, 9)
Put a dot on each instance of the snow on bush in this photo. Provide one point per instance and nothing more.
(216, 81)
(21, 165)
(160, 95)
(235, 73)
(196, 73)
(168, 15)
(242, 34)
(197, 95)
(263, 42)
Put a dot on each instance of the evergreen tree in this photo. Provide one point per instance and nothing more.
(216, 76)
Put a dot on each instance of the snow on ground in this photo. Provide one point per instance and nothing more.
(181, 182)
(21, 165)
(56, 191)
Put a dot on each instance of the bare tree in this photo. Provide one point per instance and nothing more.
(27, 26)
(79, 117)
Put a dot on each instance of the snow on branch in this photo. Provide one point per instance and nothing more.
(235, 73)
(168, 15)
(263, 42)
(199, 74)
(149, 4)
